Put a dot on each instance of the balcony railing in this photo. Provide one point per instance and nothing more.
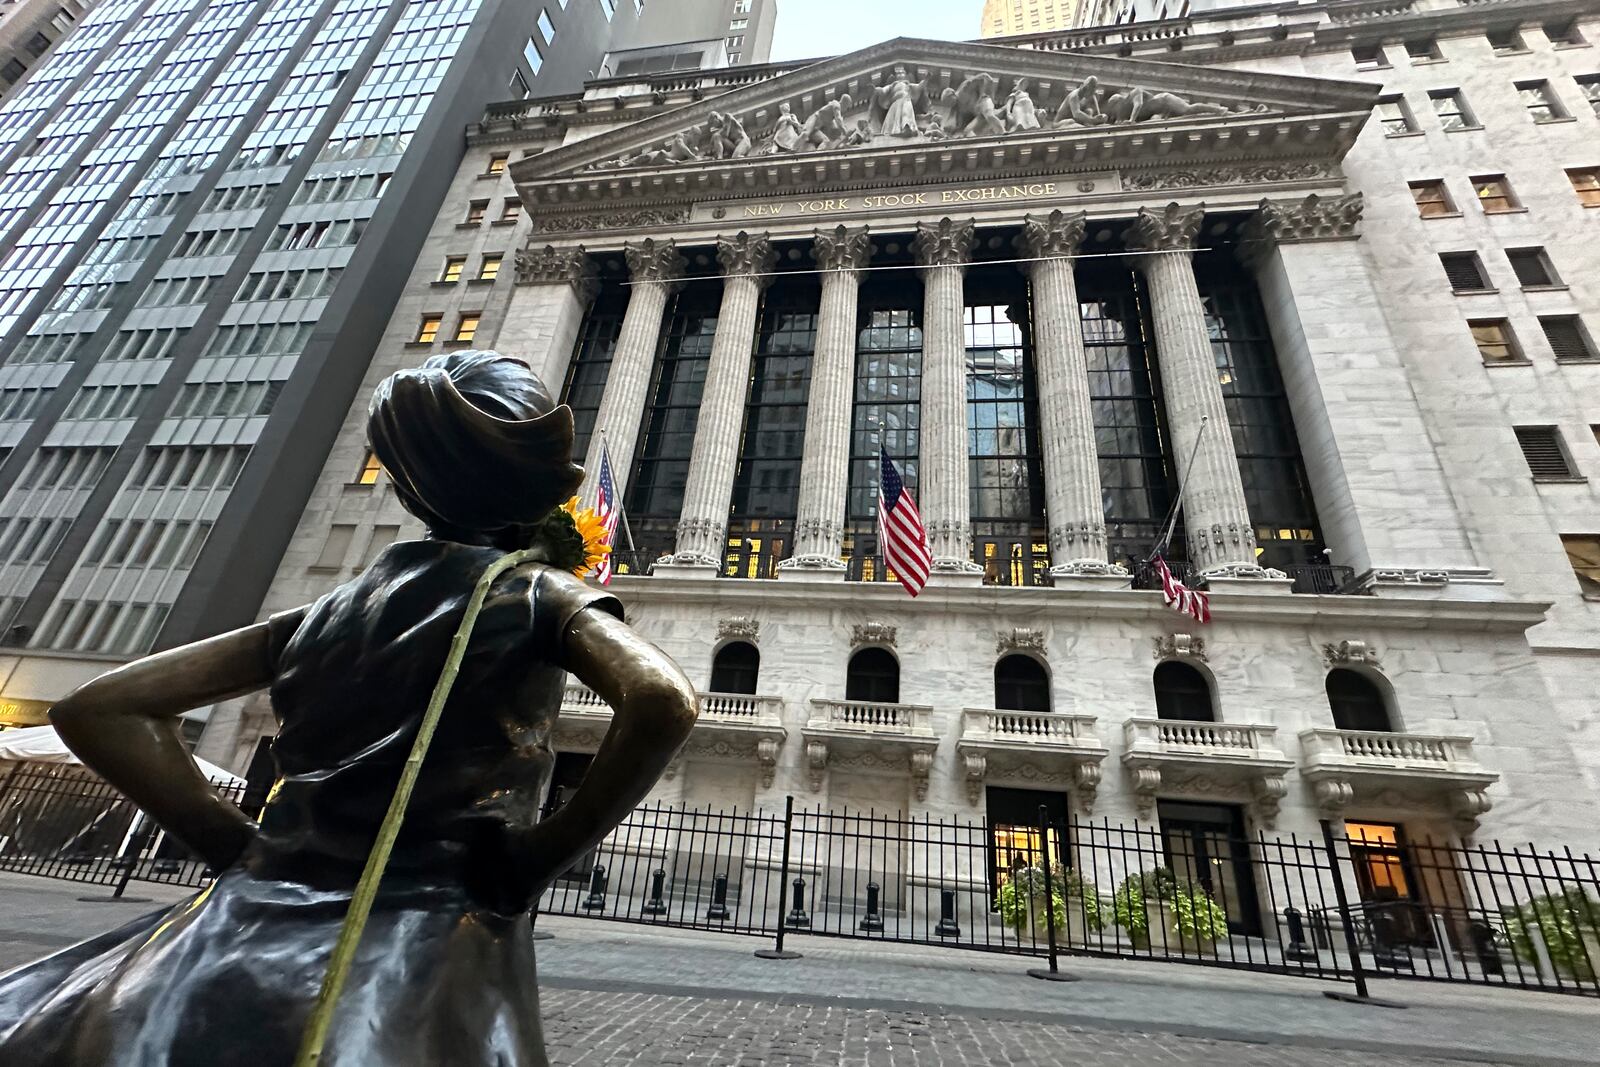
(1026, 727)
(1172, 736)
(1353, 748)
(732, 708)
(1312, 578)
(867, 717)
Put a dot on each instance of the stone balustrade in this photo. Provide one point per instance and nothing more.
(1387, 749)
(862, 716)
(1349, 768)
(1178, 737)
(1036, 747)
(1172, 757)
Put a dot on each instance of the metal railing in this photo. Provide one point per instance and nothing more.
(1309, 578)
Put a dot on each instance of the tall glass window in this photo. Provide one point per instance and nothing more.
(661, 465)
(888, 409)
(1135, 479)
(1006, 471)
(766, 490)
(1275, 483)
(591, 366)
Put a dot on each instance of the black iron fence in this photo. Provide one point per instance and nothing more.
(1314, 578)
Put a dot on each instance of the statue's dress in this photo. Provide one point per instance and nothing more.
(445, 972)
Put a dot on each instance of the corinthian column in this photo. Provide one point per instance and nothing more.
(942, 249)
(1071, 458)
(825, 466)
(554, 286)
(657, 270)
(1216, 517)
(708, 491)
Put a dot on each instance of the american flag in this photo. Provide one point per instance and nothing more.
(900, 531)
(1181, 598)
(609, 508)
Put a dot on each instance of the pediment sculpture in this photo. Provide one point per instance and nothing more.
(903, 111)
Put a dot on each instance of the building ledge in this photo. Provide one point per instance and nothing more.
(1240, 761)
(1377, 770)
(1031, 748)
(897, 738)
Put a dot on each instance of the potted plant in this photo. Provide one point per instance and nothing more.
(1139, 904)
(1569, 925)
(1022, 904)
(1195, 922)
(1084, 913)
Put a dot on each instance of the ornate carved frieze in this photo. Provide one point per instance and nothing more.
(738, 627)
(1350, 654)
(872, 633)
(1316, 218)
(1019, 639)
(1145, 181)
(655, 261)
(637, 219)
(843, 248)
(1054, 235)
(555, 266)
(1168, 229)
(1174, 646)
(745, 253)
(946, 243)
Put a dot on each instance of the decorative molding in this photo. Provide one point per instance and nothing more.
(1019, 639)
(1169, 229)
(946, 243)
(1316, 218)
(556, 266)
(643, 218)
(1054, 235)
(655, 261)
(1146, 782)
(872, 633)
(843, 248)
(1350, 654)
(1268, 793)
(816, 763)
(976, 765)
(1147, 181)
(1333, 795)
(1086, 778)
(921, 767)
(767, 758)
(746, 254)
(739, 627)
(1176, 646)
(1467, 806)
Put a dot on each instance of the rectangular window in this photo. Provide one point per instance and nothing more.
(1583, 552)
(490, 270)
(497, 163)
(1464, 271)
(518, 86)
(382, 537)
(1567, 337)
(1451, 107)
(1423, 50)
(1495, 341)
(1586, 183)
(510, 212)
(370, 469)
(336, 547)
(428, 332)
(1432, 199)
(1589, 86)
(475, 212)
(1395, 116)
(1532, 267)
(609, 7)
(1506, 41)
(1563, 33)
(1546, 454)
(453, 266)
(467, 328)
(13, 70)
(1540, 101)
(531, 53)
(547, 29)
(1494, 193)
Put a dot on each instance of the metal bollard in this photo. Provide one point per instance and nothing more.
(1297, 950)
(948, 927)
(596, 901)
(797, 916)
(718, 911)
(657, 904)
(873, 921)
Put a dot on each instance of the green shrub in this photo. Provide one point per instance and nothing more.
(1024, 894)
(1562, 919)
(1198, 917)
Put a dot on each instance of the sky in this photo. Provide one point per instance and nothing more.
(809, 29)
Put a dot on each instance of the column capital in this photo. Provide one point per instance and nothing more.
(746, 254)
(556, 266)
(843, 248)
(946, 243)
(655, 261)
(1054, 235)
(1169, 229)
(1316, 218)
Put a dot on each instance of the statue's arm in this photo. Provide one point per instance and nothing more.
(653, 710)
(124, 726)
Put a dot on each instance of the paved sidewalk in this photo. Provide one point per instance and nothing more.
(626, 995)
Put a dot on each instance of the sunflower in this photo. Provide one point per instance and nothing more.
(593, 531)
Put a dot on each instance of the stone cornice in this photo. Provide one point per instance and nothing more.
(1169, 229)
(1056, 234)
(555, 266)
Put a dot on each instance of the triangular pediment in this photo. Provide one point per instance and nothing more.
(870, 110)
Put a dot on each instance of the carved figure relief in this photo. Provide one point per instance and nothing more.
(899, 106)
(973, 112)
(1021, 114)
(826, 128)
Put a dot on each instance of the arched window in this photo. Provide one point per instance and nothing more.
(1357, 702)
(1182, 693)
(736, 668)
(874, 675)
(1021, 684)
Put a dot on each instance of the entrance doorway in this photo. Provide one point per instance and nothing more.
(1206, 848)
(1015, 836)
(1391, 896)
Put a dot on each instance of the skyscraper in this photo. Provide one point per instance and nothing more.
(1002, 18)
(28, 29)
(744, 26)
(207, 209)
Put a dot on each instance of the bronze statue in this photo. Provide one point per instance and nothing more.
(445, 972)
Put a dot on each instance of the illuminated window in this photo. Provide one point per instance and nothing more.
(467, 328)
(453, 266)
(1377, 854)
(428, 332)
(1586, 183)
(1494, 339)
(370, 469)
(1494, 193)
(497, 163)
(1432, 199)
(490, 269)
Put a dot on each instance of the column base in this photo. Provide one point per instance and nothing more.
(811, 569)
(686, 566)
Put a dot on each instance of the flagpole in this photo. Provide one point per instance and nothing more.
(622, 512)
(1183, 483)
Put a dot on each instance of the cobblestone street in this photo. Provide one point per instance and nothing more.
(640, 996)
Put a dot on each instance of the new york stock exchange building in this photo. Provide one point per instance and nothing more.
(1331, 269)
